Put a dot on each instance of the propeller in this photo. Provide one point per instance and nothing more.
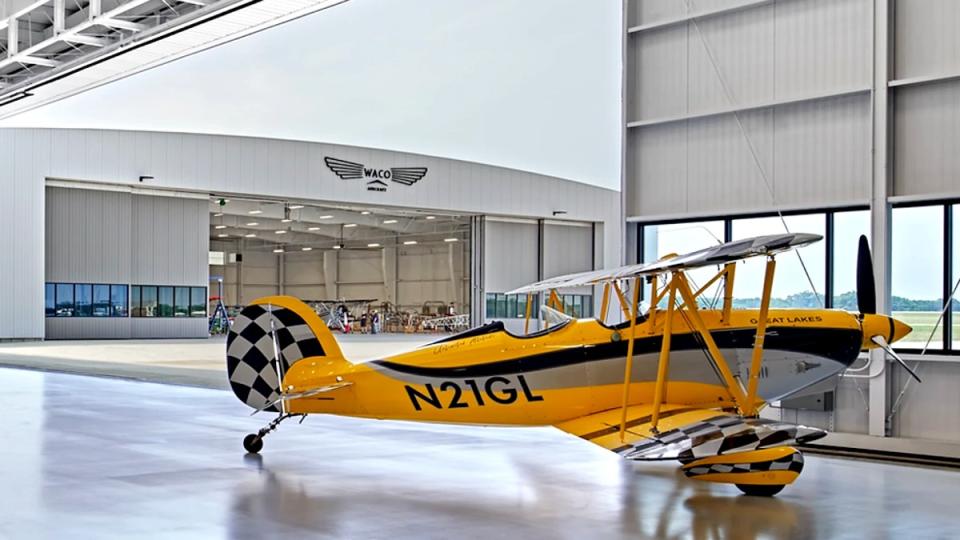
(866, 287)
(882, 343)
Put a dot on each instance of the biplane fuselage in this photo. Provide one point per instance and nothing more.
(488, 376)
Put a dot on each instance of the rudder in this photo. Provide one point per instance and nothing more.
(300, 334)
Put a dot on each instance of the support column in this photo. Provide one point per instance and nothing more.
(477, 288)
(879, 210)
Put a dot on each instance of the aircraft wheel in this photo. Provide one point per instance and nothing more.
(252, 443)
(761, 490)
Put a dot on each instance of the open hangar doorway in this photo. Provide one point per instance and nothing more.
(411, 268)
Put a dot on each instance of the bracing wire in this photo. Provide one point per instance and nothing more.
(750, 145)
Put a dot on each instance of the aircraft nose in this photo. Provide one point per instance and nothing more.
(881, 325)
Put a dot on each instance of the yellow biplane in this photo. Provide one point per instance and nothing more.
(674, 382)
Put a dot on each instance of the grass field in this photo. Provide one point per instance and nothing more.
(923, 323)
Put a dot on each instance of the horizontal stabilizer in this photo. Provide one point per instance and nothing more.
(304, 394)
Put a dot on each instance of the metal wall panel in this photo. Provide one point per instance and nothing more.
(511, 255)
(927, 41)
(566, 249)
(930, 410)
(813, 153)
(87, 236)
(927, 120)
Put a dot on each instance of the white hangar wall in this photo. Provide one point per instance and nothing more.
(846, 104)
(278, 169)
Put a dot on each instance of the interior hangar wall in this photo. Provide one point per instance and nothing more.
(845, 102)
(123, 238)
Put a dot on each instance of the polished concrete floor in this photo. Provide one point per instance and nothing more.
(88, 457)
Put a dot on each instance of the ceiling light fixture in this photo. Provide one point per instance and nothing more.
(374, 245)
(389, 221)
(350, 225)
(285, 220)
(296, 206)
(431, 217)
(252, 224)
(324, 217)
(313, 228)
(449, 239)
(308, 248)
(281, 231)
(218, 214)
(251, 235)
(338, 246)
(219, 226)
(410, 243)
(365, 213)
(222, 235)
(257, 211)
(278, 250)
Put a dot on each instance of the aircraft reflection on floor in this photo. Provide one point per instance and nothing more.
(642, 509)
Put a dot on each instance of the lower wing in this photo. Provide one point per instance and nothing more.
(686, 432)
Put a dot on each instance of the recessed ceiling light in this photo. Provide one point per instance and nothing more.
(255, 211)
(449, 239)
(313, 228)
(251, 235)
(373, 245)
(281, 231)
(431, 217)
(278, 250)
(389, 221)
(410, 243)
(365, 213)
(308, 248)
(295, 206)
(324, 217)
(220, 227)
(252, 224)
(350, 225)
(285, 220)
(338, 246)
(218, 214)
(223, 235)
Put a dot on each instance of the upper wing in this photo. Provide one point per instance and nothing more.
(712, 256)
(346, 170)
(686, 432)
(407, 175)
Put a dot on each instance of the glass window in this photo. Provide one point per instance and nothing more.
(917, 273)
(847, 228)
(522, 307)
(49, 299)
(101, 300)
(65, 305)
(165, 302)
(501, 305)
(680, 238)
(791, 288)
(955, 301)
(148, 302)
(181, 302)
(198, 302)
(588, 306)
(118, 300)
(136, 309)
(577, 307)
(512, 306)
(84, 300)
(491, 305)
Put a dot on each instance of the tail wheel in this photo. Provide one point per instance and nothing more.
(766, 490)
(253, 443)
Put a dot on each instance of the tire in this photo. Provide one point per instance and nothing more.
(760, 490)
(252, 443)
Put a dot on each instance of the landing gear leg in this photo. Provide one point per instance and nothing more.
(253, 442)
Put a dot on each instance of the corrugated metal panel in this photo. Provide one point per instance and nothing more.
(814, 153)
(511, 255)
(927, 41)
(87, 236)
(566, 249)
(657, 75)
(927, 121)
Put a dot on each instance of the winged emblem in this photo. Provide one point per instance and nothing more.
(348, 170)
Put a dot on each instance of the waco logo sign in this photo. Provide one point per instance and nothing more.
(376, 178)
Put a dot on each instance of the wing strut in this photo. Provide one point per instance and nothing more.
(526, 319)
(605, 303)
(757, 359)
(663, 365)
(623, 300)
(628, 370)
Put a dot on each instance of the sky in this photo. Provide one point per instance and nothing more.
(532, 85)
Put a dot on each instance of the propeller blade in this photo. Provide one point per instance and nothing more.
(882, 343)
(866, 288)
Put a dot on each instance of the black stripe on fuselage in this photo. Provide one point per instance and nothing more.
(841, 345)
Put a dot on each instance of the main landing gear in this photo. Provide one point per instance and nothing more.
(253, 442)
